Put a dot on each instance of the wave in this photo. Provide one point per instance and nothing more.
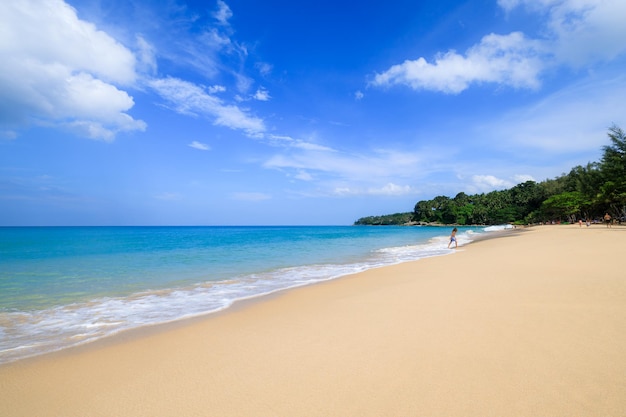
(498, 228)
(29, 333)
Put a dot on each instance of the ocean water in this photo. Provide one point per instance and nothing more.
(64, 286)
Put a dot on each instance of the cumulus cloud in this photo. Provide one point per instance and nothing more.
(194, 100)
(58, 70)
(510, 60)
(576, 33)
(490, 182)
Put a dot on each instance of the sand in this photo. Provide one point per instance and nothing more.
(529, 324)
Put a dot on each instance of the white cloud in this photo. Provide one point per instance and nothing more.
(359, 95)
(311, 146)
(511, 60)
(576, 33)
(191, 99)
(200, 53)
(392, 189)
(58, 70)
(580, 31)
(223, 12)
(146, 56)
(200, 146)
(262, 95)
(489, 182)
(216, 89)
(289, 142)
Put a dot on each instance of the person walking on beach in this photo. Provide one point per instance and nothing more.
(607, 220)
(453, 238)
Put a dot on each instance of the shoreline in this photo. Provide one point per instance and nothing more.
(152, 328)
(521, 316)
(224, 308)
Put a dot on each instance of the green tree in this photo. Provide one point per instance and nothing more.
(385, 220)
(612, 196)
(480, 211)
(424, 211)
(588, 181)
(526, 198)
(564, 206)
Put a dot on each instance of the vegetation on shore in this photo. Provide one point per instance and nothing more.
(586, 192)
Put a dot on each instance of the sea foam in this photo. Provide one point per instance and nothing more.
(28, 333)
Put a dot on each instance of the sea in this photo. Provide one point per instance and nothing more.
(66, 286)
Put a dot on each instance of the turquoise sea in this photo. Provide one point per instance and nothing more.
(63, 286)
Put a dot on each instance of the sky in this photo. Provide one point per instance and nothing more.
(281, 112)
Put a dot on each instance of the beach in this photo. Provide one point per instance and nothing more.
(531, 323)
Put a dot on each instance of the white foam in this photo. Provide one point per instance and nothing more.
(498, 228)
(30, 333)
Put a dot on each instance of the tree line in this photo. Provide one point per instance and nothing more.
(586, 192)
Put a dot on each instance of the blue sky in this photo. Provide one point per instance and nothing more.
(235, 112)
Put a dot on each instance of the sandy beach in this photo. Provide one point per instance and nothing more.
(532, 323)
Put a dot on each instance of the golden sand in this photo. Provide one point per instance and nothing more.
(529, 324)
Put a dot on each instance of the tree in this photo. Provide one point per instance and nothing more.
(385, 220)
(563, 206)
(423, 211)
(585, 179)
(588, 181)
(526, 198)
(612, 194)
